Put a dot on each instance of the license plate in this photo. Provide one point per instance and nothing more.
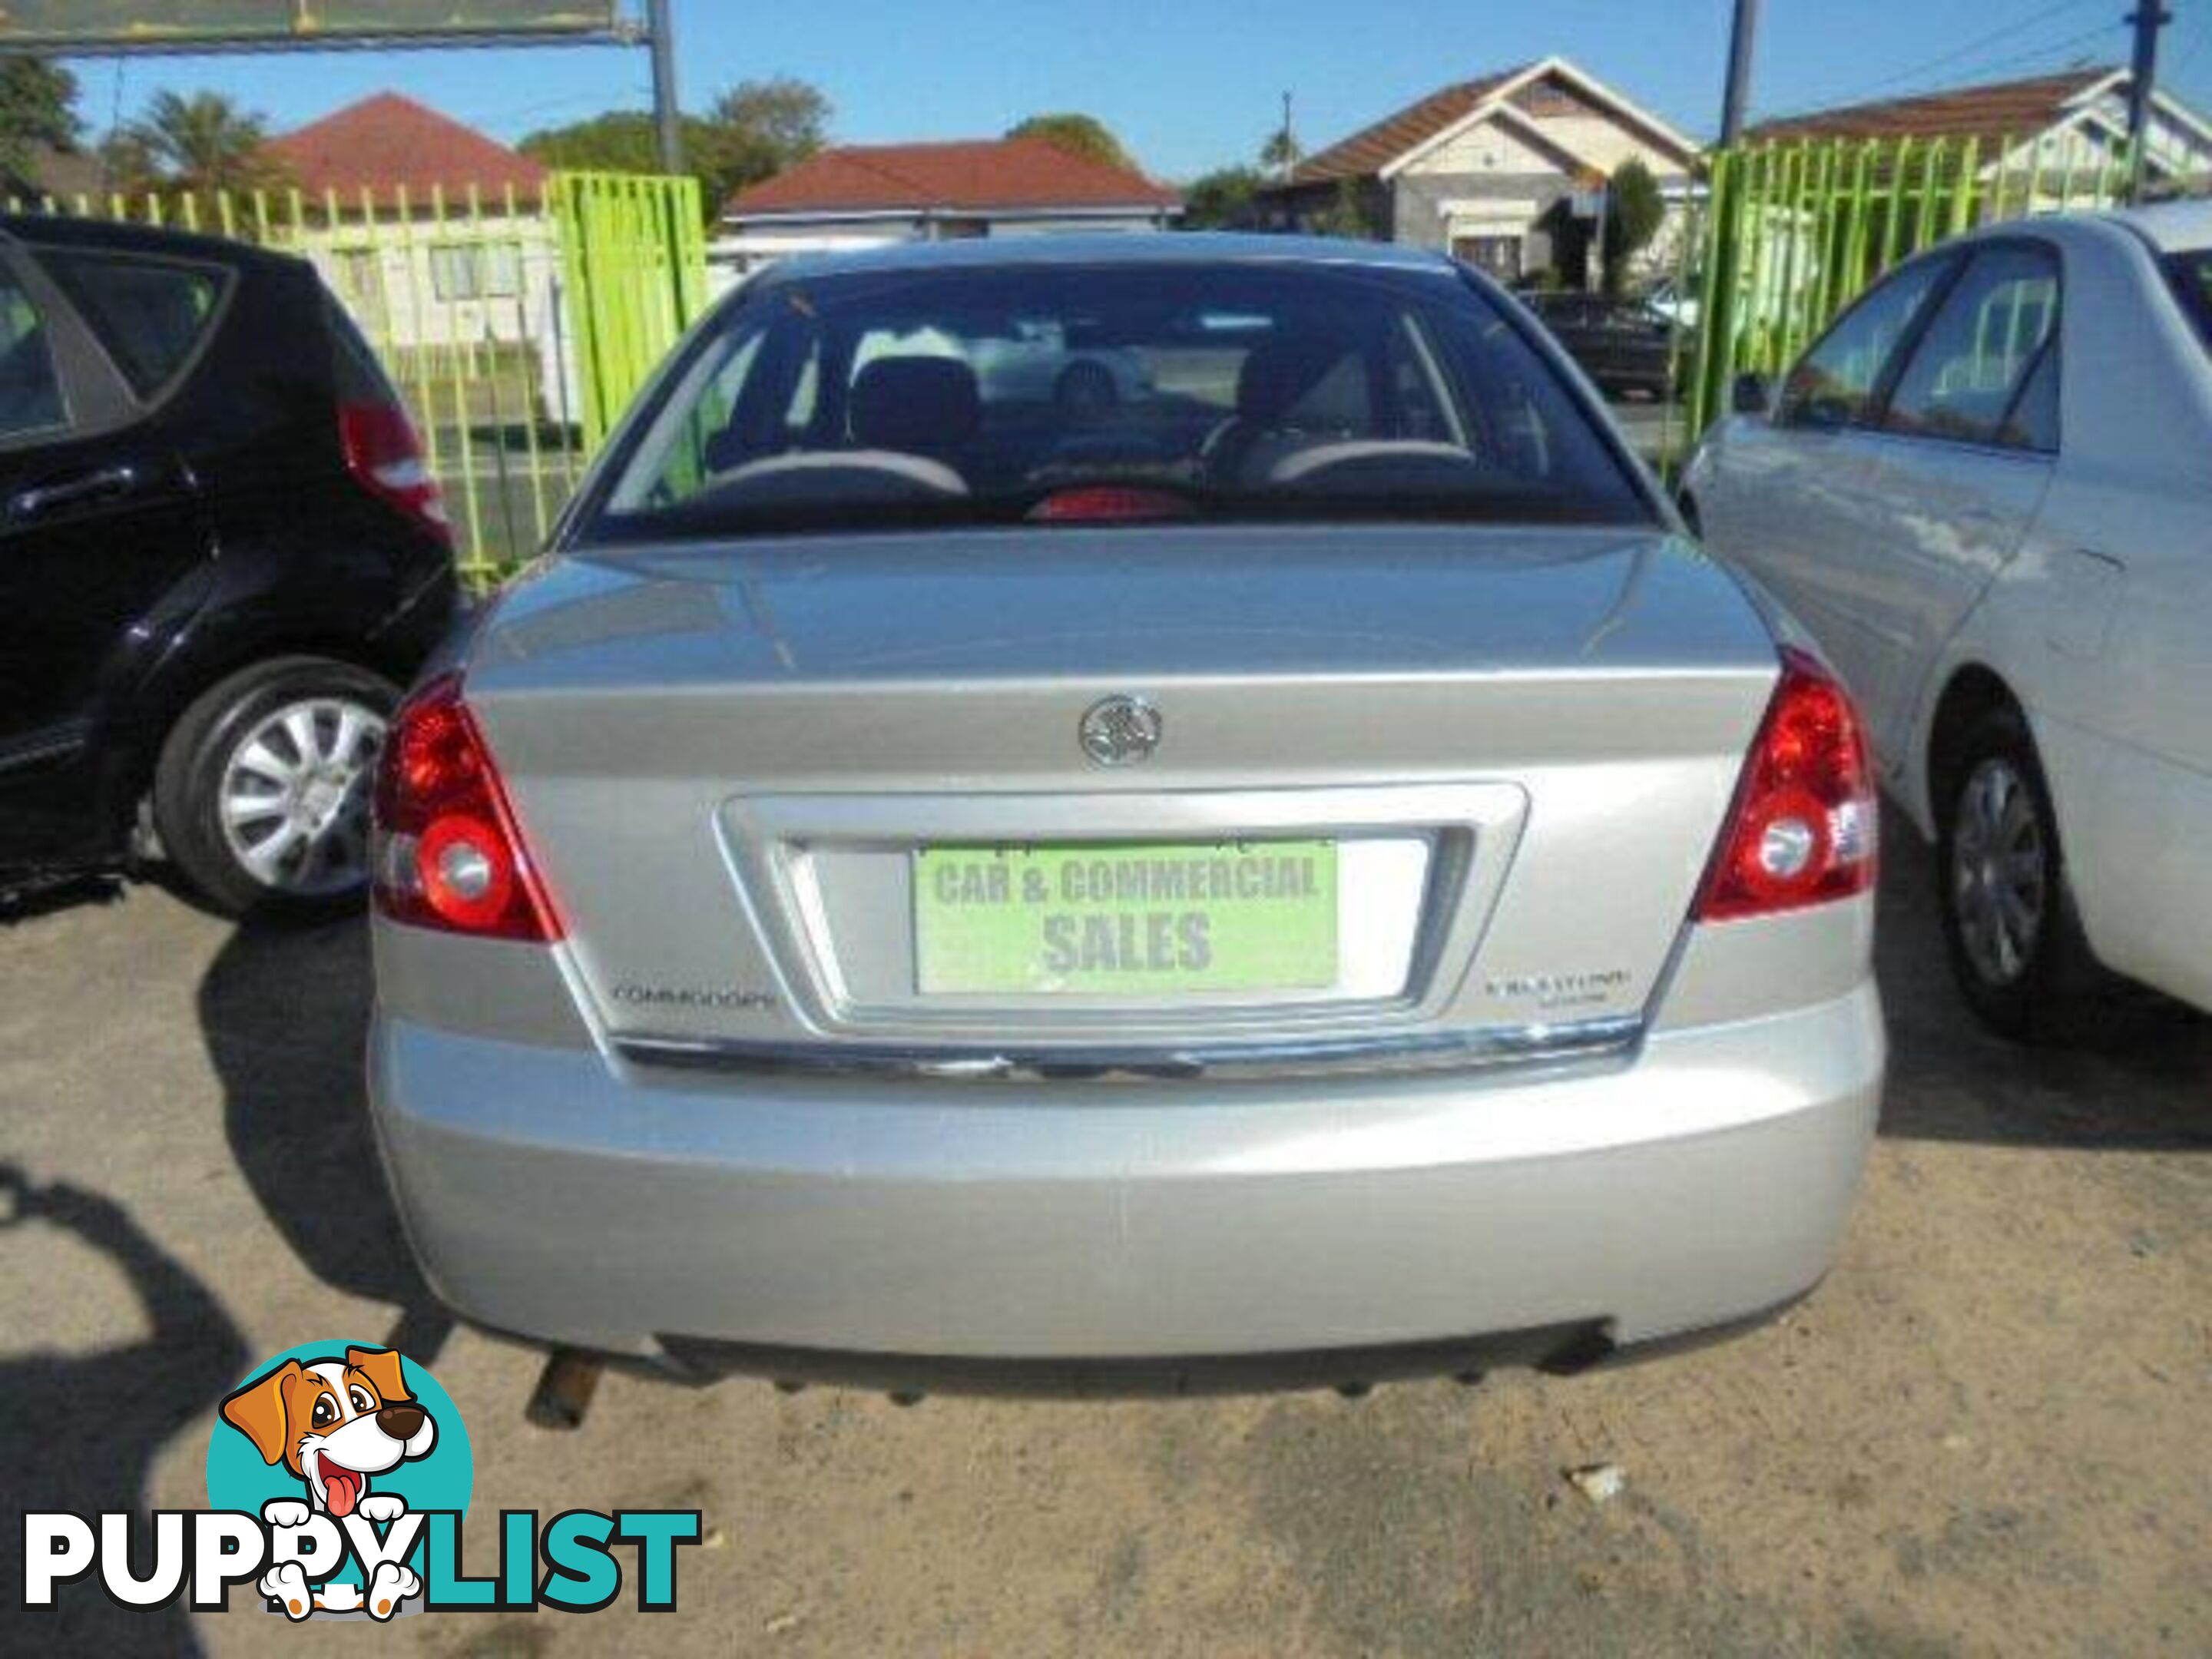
(1126, 919)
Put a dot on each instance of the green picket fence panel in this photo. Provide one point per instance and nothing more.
(1789, 234)
(516, 329)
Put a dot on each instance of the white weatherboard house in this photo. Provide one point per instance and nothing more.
(433, 234)
(1487, 169)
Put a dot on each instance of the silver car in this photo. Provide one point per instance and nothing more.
(1310, 866)
(1985, 490)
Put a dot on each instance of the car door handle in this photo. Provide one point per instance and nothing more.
(102, 485)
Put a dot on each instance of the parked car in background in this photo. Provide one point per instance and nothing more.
(1312, 864)
(1619, 344)
(219, 552)
(1670, 304)
(1028, 361)
(1987, 491)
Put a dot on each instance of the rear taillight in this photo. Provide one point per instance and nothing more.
(449, 854)
(1802, 829)
(385, 458)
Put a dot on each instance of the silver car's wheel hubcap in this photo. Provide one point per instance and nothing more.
(1999, 886)
(294, 796)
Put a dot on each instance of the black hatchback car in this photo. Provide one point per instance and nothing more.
(1622, 346)
(219, 549)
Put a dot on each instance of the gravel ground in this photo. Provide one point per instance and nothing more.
(1987, 1433)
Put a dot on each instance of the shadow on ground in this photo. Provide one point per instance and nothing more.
(284, 1011)
(80, 1431)
(2136, 1075)
(48, 895)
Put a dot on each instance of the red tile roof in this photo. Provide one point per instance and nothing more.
(979, 177)
(388, 141)
(1372, 149)
(2003, 109)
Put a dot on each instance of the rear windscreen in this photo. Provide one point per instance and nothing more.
(150, 314)
(1067, 394)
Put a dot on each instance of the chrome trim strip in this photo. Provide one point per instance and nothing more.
(1388, 1053)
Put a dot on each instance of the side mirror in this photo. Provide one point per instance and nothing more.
(1750, 394)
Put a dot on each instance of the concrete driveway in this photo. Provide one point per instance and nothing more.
(1987, 1433)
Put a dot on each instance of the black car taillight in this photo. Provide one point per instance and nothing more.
(385, 456)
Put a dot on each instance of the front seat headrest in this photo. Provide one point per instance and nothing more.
(924, 404)
(1277, 376)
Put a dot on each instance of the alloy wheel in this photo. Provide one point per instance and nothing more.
(1999, 872)
(294, 800)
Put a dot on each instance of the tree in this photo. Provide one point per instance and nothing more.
(1226, 198)
(1634, 211)
(1346, 215)
(752, 131)
(35, 114)
(1282, 153)
(200, 142)
(780, 120)
(1080, 135)
(620, 141)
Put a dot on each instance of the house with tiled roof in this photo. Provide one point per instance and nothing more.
(388, 151)
(431, 232)
(2063, 124)
(1488, 169)
(865, 195)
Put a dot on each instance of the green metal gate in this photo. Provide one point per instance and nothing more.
(632, 251)
(1791, 232)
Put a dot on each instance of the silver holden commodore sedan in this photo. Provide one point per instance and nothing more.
(1309, 864)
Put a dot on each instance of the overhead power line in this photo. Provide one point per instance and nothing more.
(1914, 76)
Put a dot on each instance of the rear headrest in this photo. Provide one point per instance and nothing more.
(923, 405)
(1277, 375)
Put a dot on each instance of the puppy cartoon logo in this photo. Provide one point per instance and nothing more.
(327, 1444)
(338, 1482)
(336, 1423)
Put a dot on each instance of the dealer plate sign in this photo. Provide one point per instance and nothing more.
(1144, 918)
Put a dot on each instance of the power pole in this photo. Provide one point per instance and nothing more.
(668, 122)
(2148, 17)
(1737, 98)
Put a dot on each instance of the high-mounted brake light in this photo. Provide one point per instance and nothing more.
(1109, 504)
(1802, 829)
(449, 854)
(385, 458)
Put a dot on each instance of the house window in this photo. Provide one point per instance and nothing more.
(1498, 255)
(475, 271)
(360, 284)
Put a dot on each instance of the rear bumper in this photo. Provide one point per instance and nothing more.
(568, 1196)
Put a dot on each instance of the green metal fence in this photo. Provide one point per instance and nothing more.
(635, 248)
(515, 328)
(1791, 232)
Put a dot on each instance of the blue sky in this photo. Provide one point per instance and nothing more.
(1192, 84)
